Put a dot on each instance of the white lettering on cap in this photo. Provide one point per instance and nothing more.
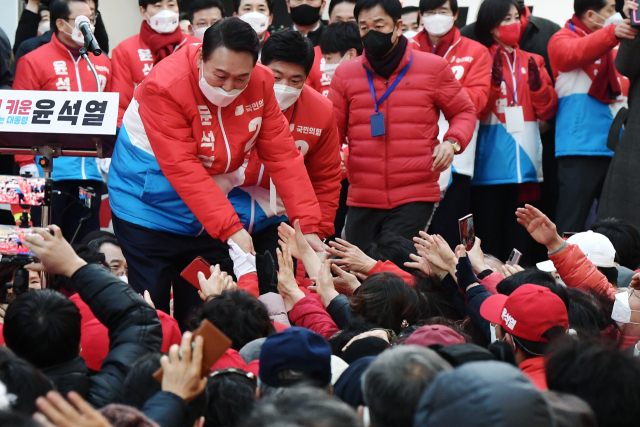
(510, 321)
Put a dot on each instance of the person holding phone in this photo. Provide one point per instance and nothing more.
(179, 153)
(508, 164)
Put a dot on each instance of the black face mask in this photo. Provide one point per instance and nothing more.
(305, 14)
(377, 44)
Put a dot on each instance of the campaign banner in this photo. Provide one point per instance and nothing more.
(93, 113)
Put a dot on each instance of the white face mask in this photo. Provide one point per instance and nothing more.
(438, 25)
(258, 21)
(44, 27)
(492, 328)
(216, 95)
(286, 95)
(199, 32)
(124, 278)
(76, 34)
(330, 69)
(164, 22)
(410, 34)
(614, 19)
(621, 311)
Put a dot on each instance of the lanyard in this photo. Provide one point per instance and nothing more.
(391, 88)
(514, 91)
(573, 28)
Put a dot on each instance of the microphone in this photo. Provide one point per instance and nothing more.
(90, 42)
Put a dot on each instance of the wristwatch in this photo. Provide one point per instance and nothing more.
(456, 147)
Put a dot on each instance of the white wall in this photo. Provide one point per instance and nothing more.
(122, 19)
(9, 17)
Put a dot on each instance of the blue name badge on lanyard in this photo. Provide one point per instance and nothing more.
(377, 119)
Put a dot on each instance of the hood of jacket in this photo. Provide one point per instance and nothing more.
(70, 376)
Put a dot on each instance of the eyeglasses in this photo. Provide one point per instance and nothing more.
(94, 18)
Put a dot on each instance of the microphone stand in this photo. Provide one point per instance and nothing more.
(85, 56)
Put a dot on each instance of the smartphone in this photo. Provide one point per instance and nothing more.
(215, 345)
(568, 234)
(86, 196)
(467, 231)
(190, 274)
(514, 258)
(17, 190)
(635, 18)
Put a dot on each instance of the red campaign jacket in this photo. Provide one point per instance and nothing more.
(170, 107)
(389, 267)
(534, 369)
(470, 62)
(313, 127)
(52, 67)
(317, 79)
(309, 313)
(395, 168)
(540, 105)
(132, 61)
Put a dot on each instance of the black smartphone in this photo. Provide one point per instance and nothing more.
(467, 231)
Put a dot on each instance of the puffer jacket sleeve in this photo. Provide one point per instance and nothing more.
(340, 311)
(456, 106)
(545, 100)
(285, 164)
(309, 313)
(275, 307)
(578, 272)
(325, 173)
(134, 328)
(170, 135)
(340, 107)
(122, 81)
(249, 282)
(478, 81)
(568, 52)
(389, 267)
(167, 409)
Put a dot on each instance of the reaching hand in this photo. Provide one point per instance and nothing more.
(378, 333)
(244, 240)
(287, 286)
(476, 256)
(147, 298)
(510, 270)
(324, 285)
(346, 283)
(243, 262)
(287, 237)
(314, 241)
(624, 30)
(535, 83)
(56, 254)
(55, 411)
(436, 251)
(629, 5)
(351, 257)
(540, 227)
(182, 369)
(497, 69)
(215, 284)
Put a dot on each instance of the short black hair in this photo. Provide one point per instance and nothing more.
(232, 33)
(288, 46)
(199, 5)
(237, 3)
(96, 244)
(59, 9)
(393, 247)
(410, 9)
(427, 5)
(586, 314)
(580, 7)
(490, 15)
(341, 37)
(532, 276)
(145, 3)
(232, 397)
(334, 3)
(624, 237)
(43, 327)
(96, 234)
(23, 381)
(238, 314)
(604, 377)
(392, 7)
(139, 384)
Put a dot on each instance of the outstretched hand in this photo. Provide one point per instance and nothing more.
(435, 251)
(215, 284)
(287, 286)
(324, 284)
(540, 227)
(55, 411)
(351, 257)
(182, 368)
(55, 253)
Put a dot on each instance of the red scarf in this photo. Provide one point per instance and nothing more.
(161, 45)
(604, 86)
(524, 21)
(443, 45)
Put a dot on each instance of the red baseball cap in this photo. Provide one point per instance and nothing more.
(527, 313)
(435, 334)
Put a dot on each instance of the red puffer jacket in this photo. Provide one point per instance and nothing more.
(395, 168)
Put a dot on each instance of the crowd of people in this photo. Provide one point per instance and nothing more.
(285, 204)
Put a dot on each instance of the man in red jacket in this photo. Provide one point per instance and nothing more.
(57, 66)
(257, 13)
(159, 37)
(289, 55)
(387, 104)
(470, 62)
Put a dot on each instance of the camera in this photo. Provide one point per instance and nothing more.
(20, 283)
